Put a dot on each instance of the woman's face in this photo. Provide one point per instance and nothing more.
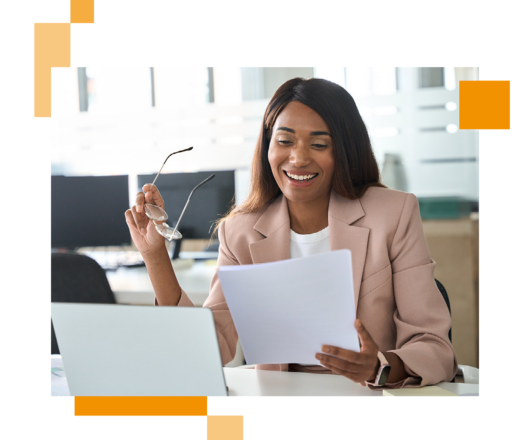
(301, 154)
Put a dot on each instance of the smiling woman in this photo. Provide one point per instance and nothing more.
(326, 113)
(315, 187)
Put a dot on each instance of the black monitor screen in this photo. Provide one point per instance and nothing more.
(89, 211)
(209, 202)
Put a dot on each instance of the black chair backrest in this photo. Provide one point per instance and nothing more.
(78, 278)
(442, 290)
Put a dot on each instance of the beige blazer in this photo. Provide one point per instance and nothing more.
(396, 296)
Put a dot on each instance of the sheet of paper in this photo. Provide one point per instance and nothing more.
(285, 311)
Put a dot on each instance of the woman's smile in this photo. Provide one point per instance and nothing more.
(300, 179)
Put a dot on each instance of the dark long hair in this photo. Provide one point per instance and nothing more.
(355, 166)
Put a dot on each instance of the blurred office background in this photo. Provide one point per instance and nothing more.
(126, 120)
(117, 121)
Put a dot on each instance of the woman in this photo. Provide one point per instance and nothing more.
(316, 187)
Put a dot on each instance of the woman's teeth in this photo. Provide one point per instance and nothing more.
(302, 177)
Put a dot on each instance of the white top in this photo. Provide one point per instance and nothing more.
(304, 245)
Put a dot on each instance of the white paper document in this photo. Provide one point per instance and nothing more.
(285, 311)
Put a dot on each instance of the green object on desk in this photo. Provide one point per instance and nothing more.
(432, 208)
(59, 372)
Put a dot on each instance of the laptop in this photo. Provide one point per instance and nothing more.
(121, 350)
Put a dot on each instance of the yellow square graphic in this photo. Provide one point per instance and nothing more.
(225, 427)
(82, 11)
(484, 105)
(51, 48)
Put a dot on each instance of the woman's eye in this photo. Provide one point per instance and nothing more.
(319, 145)
(284, 142)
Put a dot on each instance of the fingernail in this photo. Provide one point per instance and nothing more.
(326, 349)
(319, 356)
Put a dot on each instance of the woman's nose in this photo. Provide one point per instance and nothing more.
(299, 156)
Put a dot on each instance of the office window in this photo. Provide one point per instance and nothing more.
(116, 89)
(361, 81)
(228, 91)
(383, 80)
(366, 81)
(449, 78)
(177, 87)
(227, 85)
(333, 74)
(64, 99)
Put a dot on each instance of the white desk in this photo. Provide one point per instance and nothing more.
(133, 286)
(249, 382)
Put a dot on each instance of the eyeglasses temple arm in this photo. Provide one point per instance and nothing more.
(176, 152)
(186, 205)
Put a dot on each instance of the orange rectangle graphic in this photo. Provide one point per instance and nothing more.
(484, 105)
(140, 406)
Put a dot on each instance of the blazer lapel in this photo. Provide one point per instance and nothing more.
(342, 213)
(274, 224)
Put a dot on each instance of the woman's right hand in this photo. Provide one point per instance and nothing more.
(143, 231)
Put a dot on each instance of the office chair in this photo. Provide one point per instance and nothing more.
(442, 290)
(78, 278)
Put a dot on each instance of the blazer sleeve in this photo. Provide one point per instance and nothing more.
(226, 330)
(421, 317)
(224, 325)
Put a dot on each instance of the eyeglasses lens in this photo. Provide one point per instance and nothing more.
(168, 232)
(155, 212)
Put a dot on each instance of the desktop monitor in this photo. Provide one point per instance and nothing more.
(210, 202)
(89, 211)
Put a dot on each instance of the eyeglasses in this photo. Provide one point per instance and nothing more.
(157, 214)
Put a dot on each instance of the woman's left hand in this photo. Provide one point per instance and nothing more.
(359, 367)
